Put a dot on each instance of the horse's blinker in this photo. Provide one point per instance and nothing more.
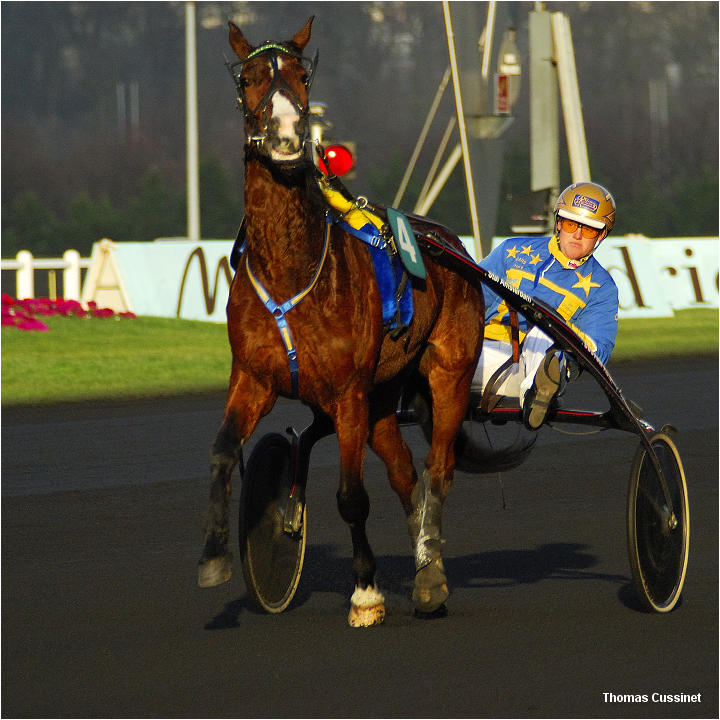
(277, 83)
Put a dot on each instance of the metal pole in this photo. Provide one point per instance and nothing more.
(461, 128)
(191, 124)
(436, 162)
(570, 97)
(487, 48)
(423, 206)
(421, 139)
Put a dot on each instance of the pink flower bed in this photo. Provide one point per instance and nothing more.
(23, 314)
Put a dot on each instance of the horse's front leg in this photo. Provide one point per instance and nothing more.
(247, 402)
(389, 445)
(367, 604)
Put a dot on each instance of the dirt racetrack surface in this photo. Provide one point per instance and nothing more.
(101, 616)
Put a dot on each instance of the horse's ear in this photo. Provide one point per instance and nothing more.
(302, 38)
(238, 42)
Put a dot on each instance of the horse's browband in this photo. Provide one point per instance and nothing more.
(272, 46)
(264, 48)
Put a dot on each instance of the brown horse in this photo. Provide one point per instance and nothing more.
(330, 348)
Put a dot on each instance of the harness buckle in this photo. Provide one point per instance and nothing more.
(387, 235)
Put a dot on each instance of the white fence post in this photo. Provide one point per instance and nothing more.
(25, 277)
(71, 275)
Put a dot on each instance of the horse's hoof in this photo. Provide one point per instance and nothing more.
(430, 591)
(366, 616)
(367, 607)
(215, 571)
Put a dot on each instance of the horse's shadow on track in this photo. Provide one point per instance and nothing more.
(325, 571)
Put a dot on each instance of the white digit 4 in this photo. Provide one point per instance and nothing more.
(404, 240)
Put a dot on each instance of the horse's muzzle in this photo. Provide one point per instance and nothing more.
(285, 133)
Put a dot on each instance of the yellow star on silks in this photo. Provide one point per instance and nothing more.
(585, 282)
(512, 252)
(527, 250)
(535, 260)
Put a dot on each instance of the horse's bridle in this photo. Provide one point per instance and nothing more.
(277, 82)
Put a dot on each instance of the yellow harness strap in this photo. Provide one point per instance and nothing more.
(353, 212)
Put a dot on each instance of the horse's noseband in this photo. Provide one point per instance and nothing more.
(257, 134)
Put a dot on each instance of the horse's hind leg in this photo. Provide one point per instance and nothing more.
(245, 405)
(351, 425)
(430, 590)
(450, 395)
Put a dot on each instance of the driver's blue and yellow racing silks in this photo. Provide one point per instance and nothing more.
(581, 291)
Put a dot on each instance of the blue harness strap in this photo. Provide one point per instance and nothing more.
(278, 311)
(396, 311)
(397, 307)
(368, 234)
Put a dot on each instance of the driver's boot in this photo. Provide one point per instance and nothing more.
(545, 389)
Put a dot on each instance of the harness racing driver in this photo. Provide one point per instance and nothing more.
(562, 272)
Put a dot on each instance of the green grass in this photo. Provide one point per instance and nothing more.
(84, 359)
(690, 332)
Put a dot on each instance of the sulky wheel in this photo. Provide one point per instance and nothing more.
(480, 447)
(658, 535)
(273, 525)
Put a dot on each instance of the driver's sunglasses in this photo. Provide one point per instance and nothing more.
(570, 226)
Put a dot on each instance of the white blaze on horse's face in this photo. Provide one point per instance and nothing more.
(282, 132)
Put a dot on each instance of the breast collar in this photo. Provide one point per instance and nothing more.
(279, 310)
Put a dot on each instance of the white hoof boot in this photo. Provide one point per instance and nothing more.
(367, 607)
(430, 591)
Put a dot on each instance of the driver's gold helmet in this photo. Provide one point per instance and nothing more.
(587, 203)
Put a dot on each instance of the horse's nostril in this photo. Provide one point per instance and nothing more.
(286, 144)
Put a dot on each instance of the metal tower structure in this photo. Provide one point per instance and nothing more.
(485, 74)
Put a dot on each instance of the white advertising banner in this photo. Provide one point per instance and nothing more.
(688, 271)
(177, 278)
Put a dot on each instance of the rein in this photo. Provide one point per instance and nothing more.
(278, 311)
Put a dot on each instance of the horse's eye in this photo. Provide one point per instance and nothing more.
(304, 79)
(243, 82)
